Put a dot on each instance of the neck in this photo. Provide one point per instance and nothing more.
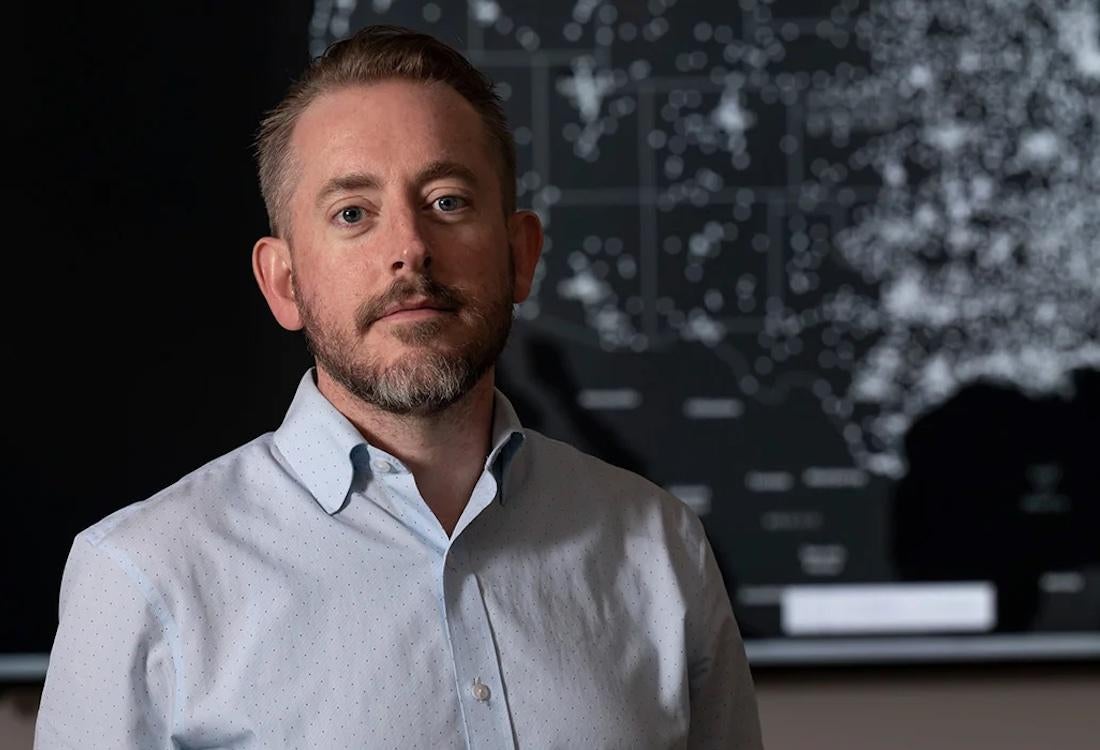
(445, 451)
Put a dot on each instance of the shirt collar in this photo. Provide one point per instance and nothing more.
(508, 438)
(318, 442)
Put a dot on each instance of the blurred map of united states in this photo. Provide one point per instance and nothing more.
(882, 202)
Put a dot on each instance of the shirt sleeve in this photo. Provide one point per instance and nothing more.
(111, 679)
(723, 702)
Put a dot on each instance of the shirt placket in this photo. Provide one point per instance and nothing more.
(477, 668)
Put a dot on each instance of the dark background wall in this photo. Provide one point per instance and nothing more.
(138, 346)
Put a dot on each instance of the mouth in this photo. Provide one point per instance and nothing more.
(415, 310)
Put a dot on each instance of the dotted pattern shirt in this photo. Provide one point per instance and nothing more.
(299, 593)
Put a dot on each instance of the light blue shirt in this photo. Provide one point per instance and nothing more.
(299, 593)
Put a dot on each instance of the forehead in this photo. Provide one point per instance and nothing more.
(390, 128)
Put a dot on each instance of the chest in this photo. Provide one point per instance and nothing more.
(377, 642)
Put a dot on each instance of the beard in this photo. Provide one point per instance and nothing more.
(425, 380)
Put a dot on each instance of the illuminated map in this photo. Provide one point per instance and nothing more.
(780, 234)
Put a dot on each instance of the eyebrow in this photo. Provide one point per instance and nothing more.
(366, 181)
(437, 170)
(346, 183)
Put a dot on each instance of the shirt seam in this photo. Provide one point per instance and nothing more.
(159, 607)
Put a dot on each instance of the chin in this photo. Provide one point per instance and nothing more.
(418, 333)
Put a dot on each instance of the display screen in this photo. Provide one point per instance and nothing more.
(829, 273)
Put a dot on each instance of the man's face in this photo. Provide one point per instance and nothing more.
(397, 204)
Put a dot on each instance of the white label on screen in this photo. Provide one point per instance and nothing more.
(889, 608)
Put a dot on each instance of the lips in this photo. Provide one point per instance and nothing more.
(419, 298)
(416, 304)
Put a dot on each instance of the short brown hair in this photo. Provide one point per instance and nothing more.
(377, 53)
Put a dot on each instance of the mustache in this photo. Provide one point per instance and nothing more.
(437, 294)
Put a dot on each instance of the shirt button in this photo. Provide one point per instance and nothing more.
(480, 690)
(383, 467)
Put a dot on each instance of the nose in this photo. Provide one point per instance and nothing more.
(410, 249)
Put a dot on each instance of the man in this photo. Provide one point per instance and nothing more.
(400, 564)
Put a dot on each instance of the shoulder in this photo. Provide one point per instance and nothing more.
(192, 505)
(566, 477)
(549, 457)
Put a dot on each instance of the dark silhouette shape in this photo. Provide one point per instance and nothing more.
(1002, 488)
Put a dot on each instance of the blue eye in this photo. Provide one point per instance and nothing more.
(351, 215)
(449, 203)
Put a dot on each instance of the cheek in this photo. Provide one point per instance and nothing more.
(319, 298)
(329, 277)
(482, 254)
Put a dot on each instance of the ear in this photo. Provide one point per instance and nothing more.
(275, 274)
(525, 240)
